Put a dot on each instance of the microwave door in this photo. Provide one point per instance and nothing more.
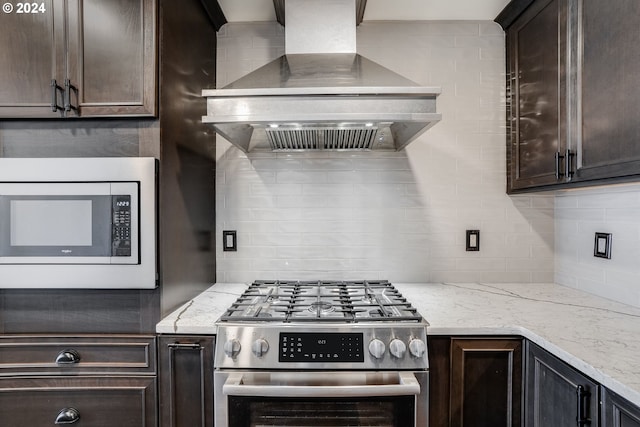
(80, 223)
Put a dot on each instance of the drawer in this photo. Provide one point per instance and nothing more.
(81, 401)
(65, 355)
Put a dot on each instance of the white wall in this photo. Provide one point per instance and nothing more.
(579, 215)
(397, 216)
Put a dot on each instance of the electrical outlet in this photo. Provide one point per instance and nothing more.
(473, 240)
(229, 241)
(602, 245)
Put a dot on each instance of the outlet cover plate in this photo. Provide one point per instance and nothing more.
(473, 240)
(229, 241)
(602, 245)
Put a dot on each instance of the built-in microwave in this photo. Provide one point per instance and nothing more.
(78, 222)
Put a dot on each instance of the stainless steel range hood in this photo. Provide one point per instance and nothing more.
(321, 95)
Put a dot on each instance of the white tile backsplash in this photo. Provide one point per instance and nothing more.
(579, 214)
(397, 216)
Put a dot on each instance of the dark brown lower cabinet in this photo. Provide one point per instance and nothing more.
(186, 381)
(84, 380)
(556, 394)
(617, 411)
(81, 401)
(475, 382)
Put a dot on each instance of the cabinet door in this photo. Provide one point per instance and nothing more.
(537, 99)
(486, 381)
(556, 394)
(81, 401)
(112, 57)
(610, 94)
(617, 411)
(32, 53)
(186, 381)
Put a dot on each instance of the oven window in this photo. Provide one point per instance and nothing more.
(309, 412)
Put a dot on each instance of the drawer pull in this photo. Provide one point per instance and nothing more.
(181, 346)
(68, 357)
(68, 416)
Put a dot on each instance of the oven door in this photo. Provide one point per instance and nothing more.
(334, 399)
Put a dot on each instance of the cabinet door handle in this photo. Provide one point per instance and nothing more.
(558, 157)
(568, 167)
(180, 346)
(67, 96)
(68, 357)
(54, 95)
(68, 416)
(583, 396)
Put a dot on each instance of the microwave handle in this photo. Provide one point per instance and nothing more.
(408, 385)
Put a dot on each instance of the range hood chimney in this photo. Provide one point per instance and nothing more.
(321, 95)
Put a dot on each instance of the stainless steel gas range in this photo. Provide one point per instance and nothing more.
(321, 353)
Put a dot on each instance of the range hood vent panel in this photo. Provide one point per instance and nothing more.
(352, 138)
(336, 100)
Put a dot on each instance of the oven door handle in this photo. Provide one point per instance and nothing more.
(407, 385)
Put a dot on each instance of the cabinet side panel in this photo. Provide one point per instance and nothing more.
(187, 180)
(439, 365)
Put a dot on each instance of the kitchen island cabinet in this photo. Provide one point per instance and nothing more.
(78, 58)
(186, 381)
(475, 381)
(571, 95)
(92, 380)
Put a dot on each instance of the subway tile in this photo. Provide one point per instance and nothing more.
(505, 276)
(301, 177)
(405, 211)
(326, 189)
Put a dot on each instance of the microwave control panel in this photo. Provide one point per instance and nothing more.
(121, 231)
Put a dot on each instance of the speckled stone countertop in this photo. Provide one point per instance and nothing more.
(599, 337)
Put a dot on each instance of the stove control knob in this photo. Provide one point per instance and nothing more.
(417, 347)
(232, 348)
(377, 348)
(397, 348)
(260, 347)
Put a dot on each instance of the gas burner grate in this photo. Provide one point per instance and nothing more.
(321, 301)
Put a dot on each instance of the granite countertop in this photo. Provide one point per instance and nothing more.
(596, 336)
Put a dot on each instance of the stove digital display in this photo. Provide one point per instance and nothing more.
(322, 348)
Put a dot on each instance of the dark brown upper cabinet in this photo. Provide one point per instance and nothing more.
(571, 97)
(608, 142)
(78, 58)
(537, 95)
